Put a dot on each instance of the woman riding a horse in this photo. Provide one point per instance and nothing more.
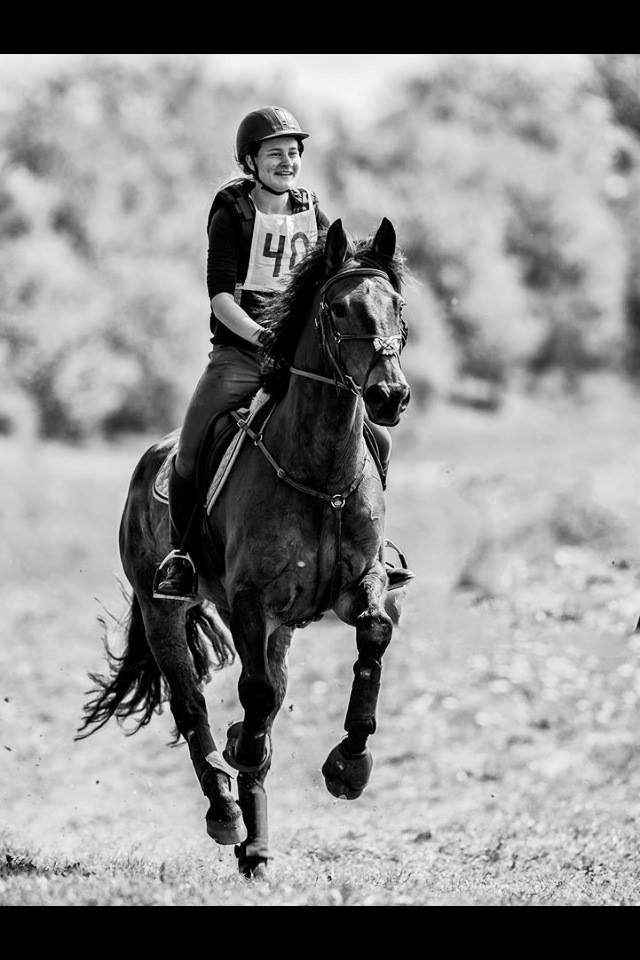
(260, 226)
(299, 529)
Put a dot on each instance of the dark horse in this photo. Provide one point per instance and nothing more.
(297, 531)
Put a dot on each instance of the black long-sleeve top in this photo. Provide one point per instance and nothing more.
(228, 262)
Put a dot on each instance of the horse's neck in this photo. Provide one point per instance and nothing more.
(320, 425)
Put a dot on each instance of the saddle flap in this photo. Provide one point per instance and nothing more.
(220, 447)
(261, 401)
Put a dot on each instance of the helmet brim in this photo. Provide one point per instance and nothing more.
(297, 135)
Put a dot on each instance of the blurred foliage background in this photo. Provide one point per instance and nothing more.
(515, 193)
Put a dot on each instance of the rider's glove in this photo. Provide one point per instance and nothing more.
(266, 338)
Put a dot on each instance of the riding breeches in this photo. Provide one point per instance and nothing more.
(233, 376)
(230, 377)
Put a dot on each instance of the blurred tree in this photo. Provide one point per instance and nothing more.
(507, 189)
(106, 174)
(619, 75)
(497, 176)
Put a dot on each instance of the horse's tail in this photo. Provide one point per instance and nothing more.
(135, 685)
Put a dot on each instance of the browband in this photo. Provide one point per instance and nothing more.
(353, 272)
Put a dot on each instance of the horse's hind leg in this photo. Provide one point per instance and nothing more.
(253, 855)
(167, 637)
(348, 767)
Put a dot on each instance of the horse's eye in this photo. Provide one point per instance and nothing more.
(339, 311)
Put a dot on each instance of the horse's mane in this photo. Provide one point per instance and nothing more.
(286, 313)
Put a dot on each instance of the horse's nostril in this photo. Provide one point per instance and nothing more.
(378, 393)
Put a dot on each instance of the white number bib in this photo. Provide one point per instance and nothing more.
(279, 242)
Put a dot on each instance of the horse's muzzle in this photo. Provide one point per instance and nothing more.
(386, 402)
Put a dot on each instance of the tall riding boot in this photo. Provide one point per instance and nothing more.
(176, 577)
(379, 443)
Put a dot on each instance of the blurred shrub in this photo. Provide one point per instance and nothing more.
(577, 518)
(497, 178)
(107, 170)
(506, 187)
(619, 76)
(429, 358)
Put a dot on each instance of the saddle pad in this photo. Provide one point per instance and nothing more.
(161, 482)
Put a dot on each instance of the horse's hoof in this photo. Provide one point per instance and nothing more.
(229, 829)
(229, 752)
(226, 832)
(347, 775)
(252, 866)
(254, 869)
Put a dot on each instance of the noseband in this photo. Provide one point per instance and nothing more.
(384, 347)
(390, 346)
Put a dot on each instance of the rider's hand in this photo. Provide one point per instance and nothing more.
(266, 338)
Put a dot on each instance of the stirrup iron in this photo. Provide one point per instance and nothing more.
(186, 587)
(397, 576)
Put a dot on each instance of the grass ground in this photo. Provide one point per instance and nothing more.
(507, 762)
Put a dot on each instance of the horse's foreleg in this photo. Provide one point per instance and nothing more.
(348, 767)
(253, 854)
(167, 638)
(248, 742)
(224, 819)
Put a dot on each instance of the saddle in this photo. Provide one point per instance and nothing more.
(221, 444)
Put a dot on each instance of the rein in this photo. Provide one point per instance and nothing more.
(383, 347)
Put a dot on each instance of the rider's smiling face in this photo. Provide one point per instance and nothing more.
(278, 162)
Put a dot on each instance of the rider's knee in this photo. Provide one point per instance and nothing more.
(184, 464)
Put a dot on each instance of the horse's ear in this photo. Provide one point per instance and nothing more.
(335, 248)
(384, 242)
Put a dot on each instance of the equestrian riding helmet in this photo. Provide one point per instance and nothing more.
(266, 124)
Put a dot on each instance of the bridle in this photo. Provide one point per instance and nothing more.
(390, 346)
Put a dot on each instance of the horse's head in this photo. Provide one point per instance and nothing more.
(360, 321)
